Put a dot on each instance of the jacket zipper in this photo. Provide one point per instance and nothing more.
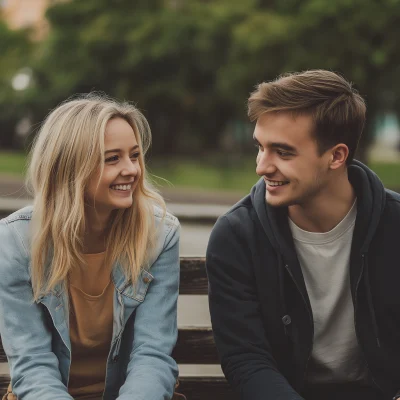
(311, 320)
(113, 356)
(119, 337)
(356, 326)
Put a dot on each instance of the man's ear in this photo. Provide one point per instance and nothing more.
(338, 156)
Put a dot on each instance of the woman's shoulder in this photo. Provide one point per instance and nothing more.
(23, 214)
(17, 222)
(14, 236)
(167, 232)
(164, 217)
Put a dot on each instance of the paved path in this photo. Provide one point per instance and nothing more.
(187, 205)
(14, 187)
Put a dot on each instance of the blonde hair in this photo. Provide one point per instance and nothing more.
(336, 107)
(66, 154)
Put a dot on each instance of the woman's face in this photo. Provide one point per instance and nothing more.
(114, 188)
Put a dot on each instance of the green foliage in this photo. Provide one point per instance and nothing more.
(15, 51)
(203, 173)
(190, 64)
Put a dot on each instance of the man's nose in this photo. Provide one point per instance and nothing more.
(265, 166)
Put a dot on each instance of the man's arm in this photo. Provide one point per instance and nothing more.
(237, 325)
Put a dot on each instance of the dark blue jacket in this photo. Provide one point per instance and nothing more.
(261, 314)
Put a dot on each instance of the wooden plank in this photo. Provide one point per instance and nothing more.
(3, 357)
(195, 346)
(193, 276)
(196, 388)
(4, 381)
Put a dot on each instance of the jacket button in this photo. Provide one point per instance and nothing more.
(146, 279)
(286, 320)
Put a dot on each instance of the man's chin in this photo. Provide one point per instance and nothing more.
(273, 201)
(277, 202)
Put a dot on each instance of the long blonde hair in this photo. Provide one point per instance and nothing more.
(66, 154)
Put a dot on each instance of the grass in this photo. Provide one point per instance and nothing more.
(12, 163)
(233, 175)
(388, 172)
(223, 174)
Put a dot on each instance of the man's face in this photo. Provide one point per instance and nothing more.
(288, 159)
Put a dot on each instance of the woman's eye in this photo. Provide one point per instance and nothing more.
(135, 155)
(111, 159)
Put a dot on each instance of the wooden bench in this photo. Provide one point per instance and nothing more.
(195, 345)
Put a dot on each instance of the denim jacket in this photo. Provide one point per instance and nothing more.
(35, 335)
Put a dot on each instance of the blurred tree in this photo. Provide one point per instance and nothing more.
(190, 64)
(165, 55)
(352, 37)
(15, 51)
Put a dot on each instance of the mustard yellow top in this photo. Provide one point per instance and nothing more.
(91, 322)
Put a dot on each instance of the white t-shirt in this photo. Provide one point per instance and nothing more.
(325, 263)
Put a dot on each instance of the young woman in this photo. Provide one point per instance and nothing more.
(89, 275)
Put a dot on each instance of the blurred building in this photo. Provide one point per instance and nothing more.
(26, 14)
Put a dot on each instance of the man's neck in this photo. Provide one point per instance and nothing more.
(326, 210)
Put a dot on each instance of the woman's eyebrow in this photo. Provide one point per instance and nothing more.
(119, 150)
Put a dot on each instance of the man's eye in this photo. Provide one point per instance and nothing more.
(111, 159)
(283, 153)
(257, 146)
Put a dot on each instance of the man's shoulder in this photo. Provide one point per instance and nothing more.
(392, 196)
(391, 212)
(240, 212)
(392, 205)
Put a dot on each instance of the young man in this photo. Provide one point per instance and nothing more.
(304, 272)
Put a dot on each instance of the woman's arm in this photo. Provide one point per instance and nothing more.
(26, 337)
(152, 371)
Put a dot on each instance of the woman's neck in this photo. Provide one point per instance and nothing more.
(94, 240)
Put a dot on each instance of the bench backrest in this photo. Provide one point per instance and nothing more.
(195, 344)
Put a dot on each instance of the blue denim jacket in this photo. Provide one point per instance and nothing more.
(35, 335)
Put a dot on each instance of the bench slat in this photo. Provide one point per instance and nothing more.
(3, 357)
(194, 388)
(195, 346)
(4, 381)
(193, 276)
(197, 388)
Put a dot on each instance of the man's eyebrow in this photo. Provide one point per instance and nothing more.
(277, 145)
(283, 146)
(119, 150)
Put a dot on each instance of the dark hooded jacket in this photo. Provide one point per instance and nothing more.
(261, 314)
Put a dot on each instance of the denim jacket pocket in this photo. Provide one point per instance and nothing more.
(138, 290)
(142, 285)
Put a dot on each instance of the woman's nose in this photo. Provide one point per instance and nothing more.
(130, 168)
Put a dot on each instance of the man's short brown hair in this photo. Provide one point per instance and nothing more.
(337, 109)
